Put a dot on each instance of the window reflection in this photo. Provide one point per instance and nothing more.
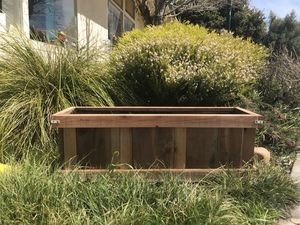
(128, 24)
(115, 22)
(121, 16)
(48, 17)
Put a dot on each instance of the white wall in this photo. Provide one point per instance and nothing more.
(92, 20)
(2, 22)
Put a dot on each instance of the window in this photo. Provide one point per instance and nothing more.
(119, 3)
(121, 18)
(130, 8)
(47, 17)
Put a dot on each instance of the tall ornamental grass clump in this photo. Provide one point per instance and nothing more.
(37, 80)
(184, 64)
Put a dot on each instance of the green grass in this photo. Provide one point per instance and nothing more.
(34, 193)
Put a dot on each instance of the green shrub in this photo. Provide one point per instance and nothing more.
(280, 131)
(37, 81)
(183, 64)
(280, 82)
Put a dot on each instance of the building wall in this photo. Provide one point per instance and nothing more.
(91, 19)
(2, 22)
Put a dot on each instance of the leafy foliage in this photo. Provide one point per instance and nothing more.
(37, 81)
(156, 11)
(284, 34)
(183, 64)
(245, 22)
(280, 132)
(280, 81)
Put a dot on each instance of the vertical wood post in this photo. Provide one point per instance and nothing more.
(126, 146)
(115, 145)
(248, 144)
(180, 148)
(70, 147)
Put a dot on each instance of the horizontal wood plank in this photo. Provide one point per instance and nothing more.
(149, 120)
(131, 117)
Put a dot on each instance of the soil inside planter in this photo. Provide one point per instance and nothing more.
(154, 111)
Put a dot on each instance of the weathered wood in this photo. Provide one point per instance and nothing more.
(179, 148)
(70, 147)
(149, 120)
(157, 137)
(143, 147)
(230, 147)
(94, 147)
(201, 147)
(115, 145)
(171, 117)
(248, 145)
(153, 147)
(235, 147)
(126, 146)
(61, 145)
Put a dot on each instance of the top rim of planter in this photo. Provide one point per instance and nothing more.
(148, 116)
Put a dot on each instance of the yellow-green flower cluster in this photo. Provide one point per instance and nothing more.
(179, 53)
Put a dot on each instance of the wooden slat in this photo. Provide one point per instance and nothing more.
(115, 145)
(198, 117)
(126, 146)
(180, 148)
(94, 147)
(143, 147)
(201, 148)
(86, 147)
(103, 141)
(153, 147)
(164, 141)
(230, 147)
(236, 147)
(248, 145)
(70, 148)
(149, 120)
(61, 145)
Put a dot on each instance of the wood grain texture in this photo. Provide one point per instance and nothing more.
(126, 146)
(197, 117)
(180, 148)
(70, 147)
(157, 137)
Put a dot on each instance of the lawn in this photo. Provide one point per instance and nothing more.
(36, 193)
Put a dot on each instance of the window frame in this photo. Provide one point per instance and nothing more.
(125, 15)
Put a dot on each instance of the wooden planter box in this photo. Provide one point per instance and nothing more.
(157, 137)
